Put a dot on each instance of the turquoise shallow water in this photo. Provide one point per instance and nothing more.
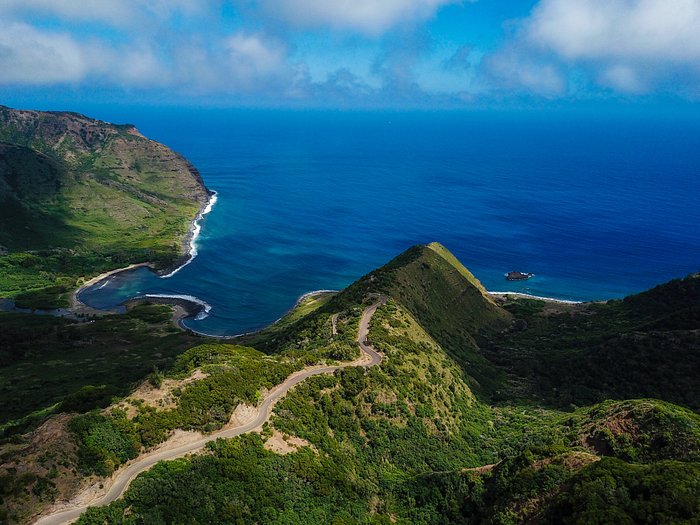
(595, 207)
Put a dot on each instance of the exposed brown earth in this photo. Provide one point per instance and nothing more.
(282, 444)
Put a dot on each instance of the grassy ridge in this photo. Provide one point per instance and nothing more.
(445, 299)
(439, 292)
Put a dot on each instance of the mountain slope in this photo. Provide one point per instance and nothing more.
(78, 196)
(407, 442)
(445, 299)
(415, 439)
(647, 345)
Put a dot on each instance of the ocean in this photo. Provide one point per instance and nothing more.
(596, 206)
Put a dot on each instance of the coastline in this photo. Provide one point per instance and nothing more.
(521, 295)
(187, 306)
(196, 301)
(184, 307)
(189, 247)
(77, 306)
(305, 296)
(189, 243)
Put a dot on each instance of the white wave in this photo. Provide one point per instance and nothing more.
(206, 307)
(105, 283)
(196, 230)
(305, 296)
(530, 296)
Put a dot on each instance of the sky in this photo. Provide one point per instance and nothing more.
(350, 53)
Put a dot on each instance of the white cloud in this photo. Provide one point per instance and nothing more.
(629, 46)
(623, 78)
(618, 29)
(111, 12)
(104, 10)
(31, 56)
(185, 46)
(252, 61)
(241, 63)
(238, 63)
(252, 55)
(371, 17)
(510, 70)
(131, 66)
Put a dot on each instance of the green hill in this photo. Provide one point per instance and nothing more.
(646, 345)
(641, 431)
(445, 299)
(79, 196)
(408, 442)
(469, 418)
(560, 355)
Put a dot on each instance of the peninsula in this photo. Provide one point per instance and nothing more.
(413, 396)
(80, 197)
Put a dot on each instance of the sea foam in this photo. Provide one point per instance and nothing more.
(196, 230)
(203, 314)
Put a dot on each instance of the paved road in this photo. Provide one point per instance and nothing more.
(369, 357)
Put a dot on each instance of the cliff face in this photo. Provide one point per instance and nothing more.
(90, 195)
(75, 138)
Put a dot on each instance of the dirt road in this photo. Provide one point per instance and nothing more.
(122, 479)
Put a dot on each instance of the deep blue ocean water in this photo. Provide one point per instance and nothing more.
(596, 206)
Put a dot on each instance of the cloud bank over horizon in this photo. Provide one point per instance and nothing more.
(354, 52)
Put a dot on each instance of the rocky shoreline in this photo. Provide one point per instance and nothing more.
(182, 308)
(77, 306)
(189, 250)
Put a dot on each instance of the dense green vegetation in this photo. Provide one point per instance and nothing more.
(641, 431)
(50, 362)
(241, 482)
(80, 196)
(306, 333)
(614, 492)
(407, 442)
(233, 375)
(482, 411)
(647, 345)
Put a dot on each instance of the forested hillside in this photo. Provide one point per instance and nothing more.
(483, 410)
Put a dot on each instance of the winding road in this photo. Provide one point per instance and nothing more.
(122, 479)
